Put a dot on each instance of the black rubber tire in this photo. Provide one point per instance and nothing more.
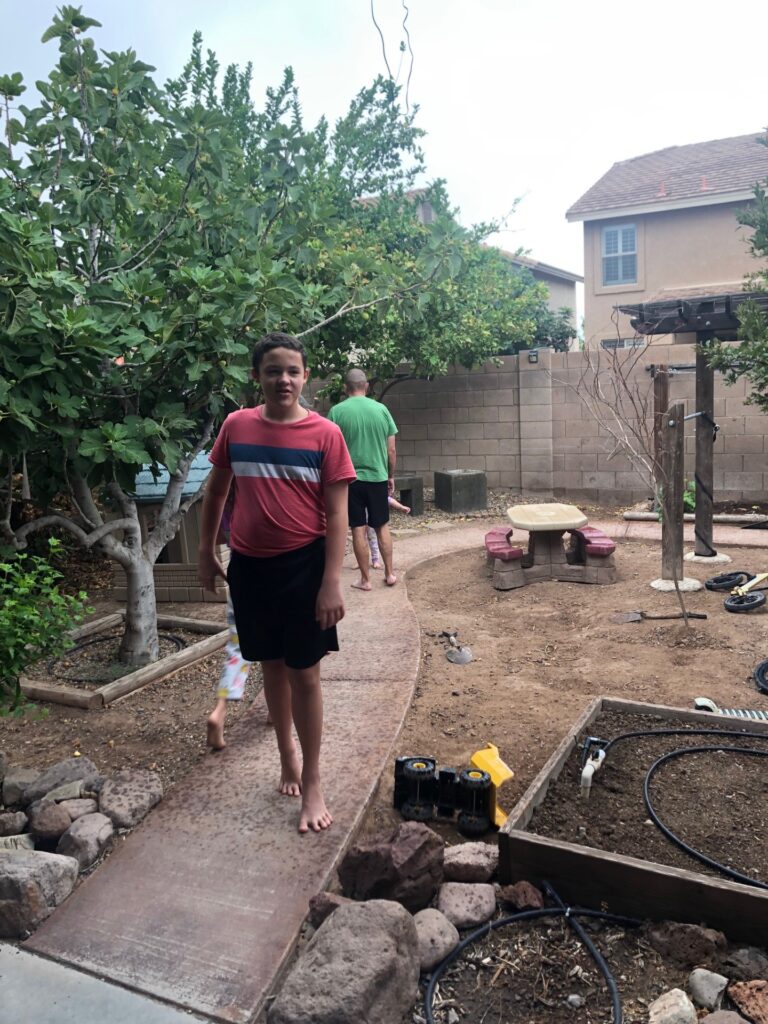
(473, 824)
(761, 676)
(419, 768)
(729, 580)
(412, 811)
(473, 778)
(747, 603)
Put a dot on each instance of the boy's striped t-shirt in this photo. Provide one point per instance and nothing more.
(280, 470)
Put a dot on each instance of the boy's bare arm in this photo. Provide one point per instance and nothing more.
(329, 608)
(216, 491)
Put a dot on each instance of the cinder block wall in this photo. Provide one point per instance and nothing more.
(525, 425)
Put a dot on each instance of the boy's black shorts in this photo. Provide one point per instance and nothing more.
(368, 505)
(274, 603)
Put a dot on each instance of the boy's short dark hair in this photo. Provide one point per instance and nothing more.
(277, 339)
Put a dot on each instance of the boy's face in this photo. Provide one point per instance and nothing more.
(281, 377)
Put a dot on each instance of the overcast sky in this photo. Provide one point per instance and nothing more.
(521, 99)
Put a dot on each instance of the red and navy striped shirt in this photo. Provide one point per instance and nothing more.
(281, 470)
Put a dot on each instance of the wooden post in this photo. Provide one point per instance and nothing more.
(660, 406)
(705, 441)
(673, 443)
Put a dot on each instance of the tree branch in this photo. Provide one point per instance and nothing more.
(86, 539)
(346, 308)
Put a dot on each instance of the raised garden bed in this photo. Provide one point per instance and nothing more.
(89, 697)
(593, 866)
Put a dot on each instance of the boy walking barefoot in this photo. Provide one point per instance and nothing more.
(288, 529)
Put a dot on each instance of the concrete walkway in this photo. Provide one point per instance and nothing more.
(201, 905)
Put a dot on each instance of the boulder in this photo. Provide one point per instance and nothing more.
(15, 783)
(522, 896)
(707, 988)
(12, 823)
(467, 904)
(722, 1017)
(746, 964)
(470, 862)
(3, 766)
(437, 937)
(22, 842)
(73, 769)
(673, 1007)
(323, 905)
(129, 796)
(406, 867)
(691, 945)
(86, 839)
(48, 820)
(72, 790)
(31, 885)
(77, 808)
(751, 998)
(362, 964)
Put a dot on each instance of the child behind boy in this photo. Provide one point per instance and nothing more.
(370, 533)
(289, 526)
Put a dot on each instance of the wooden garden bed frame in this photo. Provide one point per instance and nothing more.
(590, 877)
(74, 696)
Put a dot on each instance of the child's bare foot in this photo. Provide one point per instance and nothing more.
(377, 565)
(214, 730)
(362, 584)
(314, 816)
(290, 774)
(390, 580)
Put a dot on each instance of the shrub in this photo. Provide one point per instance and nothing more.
(36, 620)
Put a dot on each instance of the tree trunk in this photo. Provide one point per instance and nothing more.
(139, 645)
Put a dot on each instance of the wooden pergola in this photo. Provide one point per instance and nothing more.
(709, 317)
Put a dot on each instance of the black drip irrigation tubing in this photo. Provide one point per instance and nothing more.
(570, 914)
(685, 732)
(177, 641)
(697, 854)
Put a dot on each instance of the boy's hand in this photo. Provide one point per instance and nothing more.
(208, 568)
(329, 607)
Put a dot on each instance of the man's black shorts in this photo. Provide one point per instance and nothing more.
(274, 603)
(368, 505)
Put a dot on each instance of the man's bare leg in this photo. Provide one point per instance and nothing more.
(385, 547)
(360, 547)
(277, 693)
(215, 725)
(307, 703)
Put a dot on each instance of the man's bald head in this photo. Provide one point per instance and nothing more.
(356, 382)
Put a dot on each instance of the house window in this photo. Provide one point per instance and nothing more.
(620, 255)
(611, 344)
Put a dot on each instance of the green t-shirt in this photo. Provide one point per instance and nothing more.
(366, 425)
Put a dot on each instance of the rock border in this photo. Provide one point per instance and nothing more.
(103, 695)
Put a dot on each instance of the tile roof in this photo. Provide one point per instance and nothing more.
(678, 175)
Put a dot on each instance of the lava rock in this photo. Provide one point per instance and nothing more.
(751, 997)
(48, 820)
(470, 862)
(31, 885)
(437, 937)
(77, 808)
(467, 904)
(691, 945)
(323, 905)
(360, 965)
(73, 769)
(746, 964)
(522, 896)
(406, 867)
(15, 784)
(12, 823)
(707, 988)
(86, 838)
(673, 1007)
(129, 796)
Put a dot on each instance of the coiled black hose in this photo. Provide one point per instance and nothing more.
(716, 865)
(570, 914)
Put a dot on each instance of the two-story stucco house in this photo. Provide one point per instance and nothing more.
(663, 226)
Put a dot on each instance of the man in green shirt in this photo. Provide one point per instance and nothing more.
(369, 431)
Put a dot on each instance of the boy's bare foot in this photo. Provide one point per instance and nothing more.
(314, 816)
(390, 580)
(362, 584)
(214, 730)
(290, 774)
